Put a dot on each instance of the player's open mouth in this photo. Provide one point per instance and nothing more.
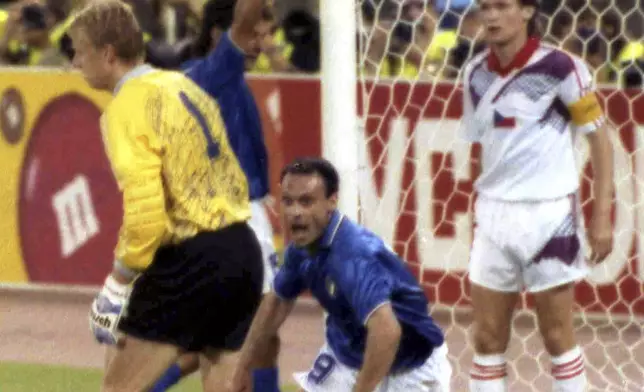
(298, 227)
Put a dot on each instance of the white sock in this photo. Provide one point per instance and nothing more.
(488, 373)
(568, 372)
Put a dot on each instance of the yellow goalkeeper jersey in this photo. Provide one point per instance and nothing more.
(168, 148)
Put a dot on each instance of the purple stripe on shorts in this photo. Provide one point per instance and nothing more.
(564, 248)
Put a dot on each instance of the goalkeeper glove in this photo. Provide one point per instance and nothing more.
(106, 311)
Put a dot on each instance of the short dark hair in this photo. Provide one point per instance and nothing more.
(219, 14)
(319, 166)
(533, 23)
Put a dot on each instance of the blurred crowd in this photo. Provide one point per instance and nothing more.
(404, 39)
(408, 39)
(175, 31)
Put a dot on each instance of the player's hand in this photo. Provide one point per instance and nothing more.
(241, 380)
(106, 311)
(600, 237)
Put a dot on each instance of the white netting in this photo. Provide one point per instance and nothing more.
(416, 176)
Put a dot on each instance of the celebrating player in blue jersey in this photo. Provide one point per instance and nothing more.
(379, 336)
(229, 38)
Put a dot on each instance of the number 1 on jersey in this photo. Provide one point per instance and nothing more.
(212, 147)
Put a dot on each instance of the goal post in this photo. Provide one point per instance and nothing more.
(339, 97)
(390, 111)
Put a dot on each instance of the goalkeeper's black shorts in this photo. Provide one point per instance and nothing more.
(202, 293)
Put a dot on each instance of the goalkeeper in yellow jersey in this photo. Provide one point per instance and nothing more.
(196, 264)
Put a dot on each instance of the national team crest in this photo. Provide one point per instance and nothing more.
(330, 286)
(501, 121)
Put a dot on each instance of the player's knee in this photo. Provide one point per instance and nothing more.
(188, 363)
(274, 346)
(490, 338)
(110, 382)
(557, 338)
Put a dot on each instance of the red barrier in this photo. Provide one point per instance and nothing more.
(417, 176)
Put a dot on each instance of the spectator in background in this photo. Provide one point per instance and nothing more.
(9, 43)
(399, 39)
(302, 32)
(611, 30)
(283, 8)
(27, 39)
(451, 11)
(586, 23)
(630, 65)
(469, 42)
(633, 74)
(429, 46)
(560, 29)
(596, 55)
(379, 21)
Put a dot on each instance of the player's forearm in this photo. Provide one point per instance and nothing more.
(270, 316)
(380, 353)
(601, 155)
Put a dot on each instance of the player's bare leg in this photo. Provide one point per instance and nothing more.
(554, 311)
(184, 366)
(137, 364)
(110, 352)
(265, 373)
(188, 363)
(216, 368)
(269, 358)
(492, 312)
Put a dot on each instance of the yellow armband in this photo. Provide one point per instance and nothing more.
(586, 110)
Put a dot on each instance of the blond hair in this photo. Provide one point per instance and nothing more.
(111, 22)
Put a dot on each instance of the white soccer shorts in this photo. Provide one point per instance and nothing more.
(527, 245)
(329, 375)
(263, 229)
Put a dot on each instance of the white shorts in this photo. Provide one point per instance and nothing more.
(527, 245)
(263, 229)
(329, 375)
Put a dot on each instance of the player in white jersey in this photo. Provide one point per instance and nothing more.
(524, 102)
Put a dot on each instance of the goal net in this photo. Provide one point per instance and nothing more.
(416, 176)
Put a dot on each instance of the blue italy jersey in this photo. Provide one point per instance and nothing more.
(221, 74)
(351, 274)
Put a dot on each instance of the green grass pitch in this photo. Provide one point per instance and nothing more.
(16, 377)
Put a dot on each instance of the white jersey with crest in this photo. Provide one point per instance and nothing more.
(526, 119)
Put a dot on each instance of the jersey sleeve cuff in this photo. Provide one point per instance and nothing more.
(381, 304)
(591, 126)
(283, 297)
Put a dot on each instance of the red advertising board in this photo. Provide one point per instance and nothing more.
(415, 186)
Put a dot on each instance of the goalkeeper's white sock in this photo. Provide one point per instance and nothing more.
(568, 372)
(488, 373)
